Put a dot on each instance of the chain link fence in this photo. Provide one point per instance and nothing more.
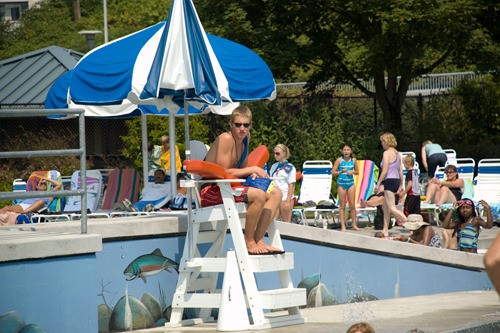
(102, 135)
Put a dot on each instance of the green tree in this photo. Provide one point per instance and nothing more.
(35, 31)
(391, 41)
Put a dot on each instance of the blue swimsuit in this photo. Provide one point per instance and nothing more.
(244, 153)
(345, 180)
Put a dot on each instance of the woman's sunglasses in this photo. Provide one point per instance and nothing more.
(277, 153)
(238, 125)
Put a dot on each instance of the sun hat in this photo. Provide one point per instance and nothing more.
(414, 222)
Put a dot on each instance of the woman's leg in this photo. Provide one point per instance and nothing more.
(13, 208)
(388, 198)
(342, 197)
(286, 210)
(445, 196)
(399, 215)
(351, 193)
(432, 190)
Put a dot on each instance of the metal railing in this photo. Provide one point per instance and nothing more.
(63, 152)
(424, 83)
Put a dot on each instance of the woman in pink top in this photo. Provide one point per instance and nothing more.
(391, 178)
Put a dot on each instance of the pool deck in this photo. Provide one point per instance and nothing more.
(472, 311)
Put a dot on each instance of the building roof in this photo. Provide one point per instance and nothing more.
(26, 79)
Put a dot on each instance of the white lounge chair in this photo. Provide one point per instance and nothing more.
(316, 186)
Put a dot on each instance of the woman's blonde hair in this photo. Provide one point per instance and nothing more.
(390, 139)
(284, 149)
(426, 142)
(361, 328)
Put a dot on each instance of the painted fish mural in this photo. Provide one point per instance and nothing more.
(13, 322)
(309, 282)
(149, 264)
(320, 296)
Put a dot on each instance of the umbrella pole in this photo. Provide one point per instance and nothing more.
(144, 134)
(186, 127)
(173, 169)
(189, 192)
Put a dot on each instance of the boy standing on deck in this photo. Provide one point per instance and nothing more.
(412, 188)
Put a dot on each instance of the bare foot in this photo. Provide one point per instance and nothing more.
(268, 247)
(385, 232)
(355, 227)
(362, 203)
(254, 248)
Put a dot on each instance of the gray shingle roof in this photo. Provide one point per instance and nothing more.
(26, 79)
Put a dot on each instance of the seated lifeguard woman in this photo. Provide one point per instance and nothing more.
(31, 205)
(230, 150)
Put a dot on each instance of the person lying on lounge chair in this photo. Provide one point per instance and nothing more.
(32, 205)
(230, 150)
(153, 194)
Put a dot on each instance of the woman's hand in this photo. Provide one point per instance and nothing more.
(484, 204)
(287, 204)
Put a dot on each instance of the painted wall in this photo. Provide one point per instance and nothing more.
(346, 273)
(51, 293)
(63, 294)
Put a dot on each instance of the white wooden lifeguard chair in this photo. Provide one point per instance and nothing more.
(199, 269)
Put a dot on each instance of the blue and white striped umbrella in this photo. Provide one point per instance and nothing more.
(162, 69)
(167, 64)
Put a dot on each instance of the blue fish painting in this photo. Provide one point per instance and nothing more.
(149, 264)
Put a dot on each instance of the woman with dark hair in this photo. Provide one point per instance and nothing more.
(345, 168)
(467, 224)
(449, 190)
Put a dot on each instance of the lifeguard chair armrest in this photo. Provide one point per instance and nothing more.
(258, 157)
(207, 170)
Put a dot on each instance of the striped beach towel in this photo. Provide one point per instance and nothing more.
(366, 180)
(122, 183)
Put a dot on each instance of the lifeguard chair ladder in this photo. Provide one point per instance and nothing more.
(199, 270)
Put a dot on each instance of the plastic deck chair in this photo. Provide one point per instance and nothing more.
(198, 150)
(56, 206)
(452, 156)
(94, 190)
(466, 167)
(315, 187)
(122, 183)
(487, 185)
(18, 185)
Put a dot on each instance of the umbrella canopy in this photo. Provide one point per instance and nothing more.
(163, 68)
(168, 63)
